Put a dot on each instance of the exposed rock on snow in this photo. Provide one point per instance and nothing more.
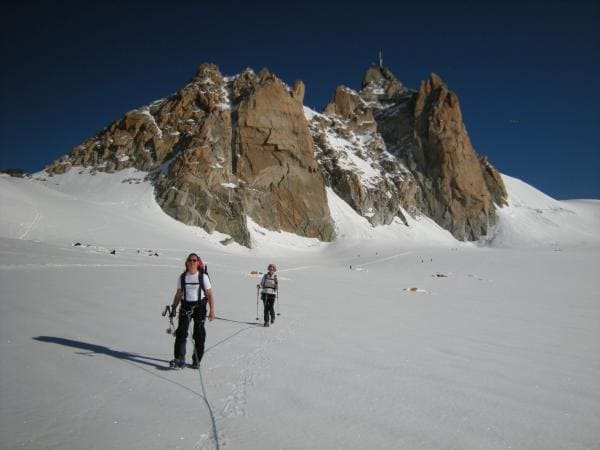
(225, 149)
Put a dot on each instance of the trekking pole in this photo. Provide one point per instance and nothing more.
(277, 300)
(257, 288)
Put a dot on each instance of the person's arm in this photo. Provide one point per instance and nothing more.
(173, 309)
(211, 303)
(176, 298)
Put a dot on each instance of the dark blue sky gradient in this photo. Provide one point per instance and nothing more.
(526, 73)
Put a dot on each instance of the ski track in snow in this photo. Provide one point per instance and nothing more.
(29, 227)
(380, 260)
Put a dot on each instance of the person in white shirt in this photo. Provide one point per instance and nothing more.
(194, 291)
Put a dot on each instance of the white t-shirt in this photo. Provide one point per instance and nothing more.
(191, 290)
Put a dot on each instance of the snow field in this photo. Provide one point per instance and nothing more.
(499, 347)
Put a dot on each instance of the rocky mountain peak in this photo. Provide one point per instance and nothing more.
(223, 150)
(413, 146)
(344, 102)
(208, 71)
(460, 191)
(433, 81)
(378, 75)
(380, 85)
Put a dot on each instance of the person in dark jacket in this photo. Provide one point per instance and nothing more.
(268, 286)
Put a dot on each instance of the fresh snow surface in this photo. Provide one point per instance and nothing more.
(388, 338)
(534, 219)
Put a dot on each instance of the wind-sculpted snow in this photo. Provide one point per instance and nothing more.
(390, 337)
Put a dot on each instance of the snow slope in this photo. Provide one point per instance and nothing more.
(391, 337)
(534, 219)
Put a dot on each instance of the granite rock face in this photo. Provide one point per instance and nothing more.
(412, 146)
(282, 186)
(225, 149)
(221, 150)
(446, 165)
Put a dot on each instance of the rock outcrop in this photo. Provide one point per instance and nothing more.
(446, 166)
(224, 149)
(282, 186)
(494, 182)
(219, 150)
(411, 145)
(357, 166)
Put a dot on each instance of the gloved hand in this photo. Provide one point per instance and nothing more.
(173, 312)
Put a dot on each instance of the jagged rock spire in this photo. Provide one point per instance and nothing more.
(379, 84)
(222, 149)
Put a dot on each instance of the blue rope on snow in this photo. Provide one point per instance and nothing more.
(208, 405)
(210, 411)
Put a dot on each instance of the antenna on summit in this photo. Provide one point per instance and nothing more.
(380, 60)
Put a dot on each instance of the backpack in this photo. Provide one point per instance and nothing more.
(202, 269)
(269, 282)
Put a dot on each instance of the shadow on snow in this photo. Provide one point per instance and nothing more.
(91, 349)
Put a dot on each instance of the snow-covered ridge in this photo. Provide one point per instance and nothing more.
(532, 218)
(88, 206)
(82, 204)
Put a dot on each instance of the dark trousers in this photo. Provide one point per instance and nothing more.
(187, 312)
(269, 301)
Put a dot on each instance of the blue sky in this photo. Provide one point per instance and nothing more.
(525, 72)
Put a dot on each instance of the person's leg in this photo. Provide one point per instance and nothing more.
(181, 335)
(265, 300)
(272, 307)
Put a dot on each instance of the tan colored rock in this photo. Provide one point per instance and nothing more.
(442, 179)
(282, 189)
(446, 164)
(298, 91)
(494, 182)
(229, 148)
(264, 74)
(344, 103)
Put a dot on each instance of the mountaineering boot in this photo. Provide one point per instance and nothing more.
(267, 323)
(176, 364)
(195, 364)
